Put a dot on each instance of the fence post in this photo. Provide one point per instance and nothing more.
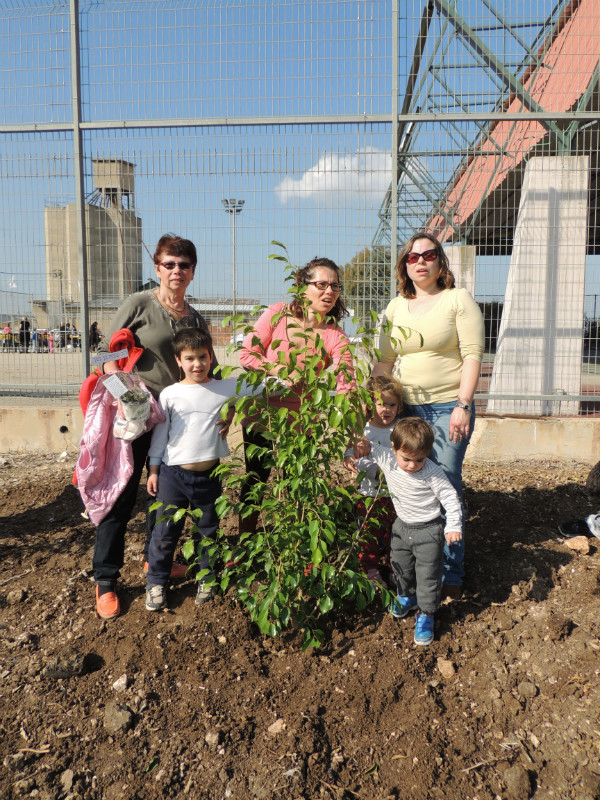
(79, 183)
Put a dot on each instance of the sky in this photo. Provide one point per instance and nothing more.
(259, 63)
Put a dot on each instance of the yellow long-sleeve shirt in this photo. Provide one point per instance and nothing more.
(452, 331)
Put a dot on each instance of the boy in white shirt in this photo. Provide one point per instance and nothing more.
(185, 449)
(419, 488)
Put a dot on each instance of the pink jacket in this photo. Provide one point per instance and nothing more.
(105, 463)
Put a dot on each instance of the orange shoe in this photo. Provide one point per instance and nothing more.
(177, 570)
(107, 605)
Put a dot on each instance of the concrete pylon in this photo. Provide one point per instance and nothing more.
(462, 260)
(541, 334)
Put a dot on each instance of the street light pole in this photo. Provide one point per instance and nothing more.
(58, 273)
(233, 207)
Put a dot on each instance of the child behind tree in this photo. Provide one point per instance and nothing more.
(377, 517)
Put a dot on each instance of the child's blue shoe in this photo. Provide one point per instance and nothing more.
(402, 605)
(424, 629)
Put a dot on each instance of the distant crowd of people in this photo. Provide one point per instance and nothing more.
(28, 339)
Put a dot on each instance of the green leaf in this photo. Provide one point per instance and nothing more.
(152, 764)
(325, 604)
(181, 512)
(188, 550)
(335, 418)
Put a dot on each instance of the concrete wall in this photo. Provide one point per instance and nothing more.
(54, 430)
(540, 339)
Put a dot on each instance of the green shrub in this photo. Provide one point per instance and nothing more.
(302, 561)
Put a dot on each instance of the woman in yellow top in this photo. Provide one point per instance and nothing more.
(438, 333)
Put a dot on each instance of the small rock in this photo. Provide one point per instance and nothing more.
(66, 780)
(276, 727)
(518, 785)
(212, 738)
(579, 543)
(23, 787)
(117, 718)
(590, 782)
(121, 683)
(15, 761)
(527, 689)
(64, 665)
(222, 639)
(446, 668)
(16, 596)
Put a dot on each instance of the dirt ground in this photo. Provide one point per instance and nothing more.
(195, 702)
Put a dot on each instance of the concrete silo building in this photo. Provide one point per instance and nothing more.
(114, 248)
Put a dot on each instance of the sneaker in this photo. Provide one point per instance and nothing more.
(177, 570)
(204, 592)
(107, 604)
(375, 577)
(156, 597)
(402, 606)
(424, 629)
(451, 591)
(593, 522)
(576, 527)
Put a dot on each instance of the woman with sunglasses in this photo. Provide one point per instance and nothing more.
(281, 328)
(437, 335)
(154, 317)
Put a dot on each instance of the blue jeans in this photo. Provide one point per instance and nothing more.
(450, 456)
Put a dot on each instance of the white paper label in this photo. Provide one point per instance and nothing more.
(102, 358)
(115, 385)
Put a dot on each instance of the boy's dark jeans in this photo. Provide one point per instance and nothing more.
(183, 488)
(109, 548)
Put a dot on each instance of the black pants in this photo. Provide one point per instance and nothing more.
(183, 488)
(254, 464)
(109, 548)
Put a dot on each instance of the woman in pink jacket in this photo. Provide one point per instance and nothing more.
(282, 328)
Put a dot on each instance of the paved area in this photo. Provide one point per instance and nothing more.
(32, 378)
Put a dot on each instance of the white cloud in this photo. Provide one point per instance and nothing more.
(368, 171)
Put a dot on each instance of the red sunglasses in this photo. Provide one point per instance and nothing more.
(428, 255)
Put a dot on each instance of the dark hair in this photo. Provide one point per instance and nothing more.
(191, 339)
(378, 384)
(405, 285)
(307, 273)
(413, 435)
(173, 245)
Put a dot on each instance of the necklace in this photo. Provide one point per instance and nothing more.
(179, 310)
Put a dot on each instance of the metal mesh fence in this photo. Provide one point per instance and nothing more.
(336, 123)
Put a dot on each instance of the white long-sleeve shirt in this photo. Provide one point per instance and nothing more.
(370, 484)
(418, 496)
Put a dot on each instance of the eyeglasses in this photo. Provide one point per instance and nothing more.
(172, 264)
(428, 255)
(322, 285)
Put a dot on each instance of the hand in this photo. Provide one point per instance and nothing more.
(110, 366)
(460, 425)
(224, 424)
(453, 536)
(152, 485)
(350, 463)
(362, 447)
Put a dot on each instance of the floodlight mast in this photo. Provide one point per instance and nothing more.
(233, 207)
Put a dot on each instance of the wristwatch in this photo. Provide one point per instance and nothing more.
(466, 406)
